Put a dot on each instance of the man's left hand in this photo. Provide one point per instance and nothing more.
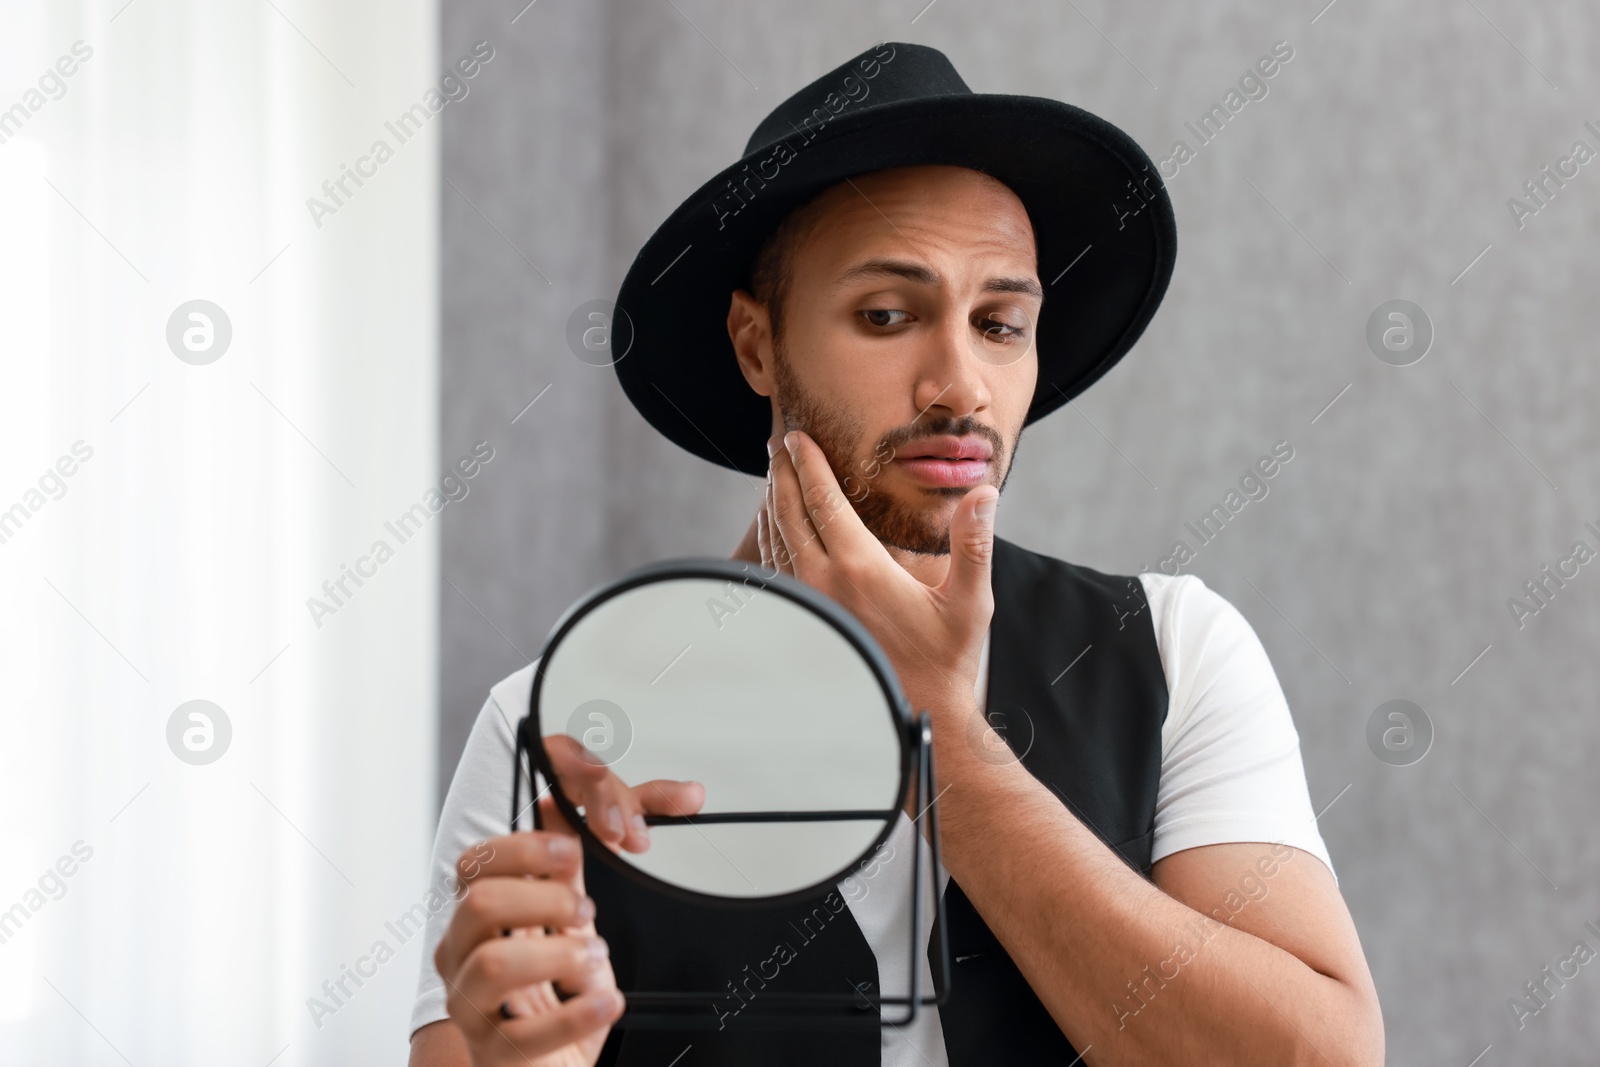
(933, 635)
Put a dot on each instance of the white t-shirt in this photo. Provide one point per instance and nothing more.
(1230, 771)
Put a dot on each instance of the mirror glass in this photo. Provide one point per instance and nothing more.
(756, 694)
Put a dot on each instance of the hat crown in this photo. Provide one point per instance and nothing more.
(884, 74)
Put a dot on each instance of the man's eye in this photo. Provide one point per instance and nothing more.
(996, 330)
(872, 316)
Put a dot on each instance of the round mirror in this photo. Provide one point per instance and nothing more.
(758, 687)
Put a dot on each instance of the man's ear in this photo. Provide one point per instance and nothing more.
(750, 330)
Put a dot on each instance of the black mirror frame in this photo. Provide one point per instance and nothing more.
(672, 1009)
(747, 574)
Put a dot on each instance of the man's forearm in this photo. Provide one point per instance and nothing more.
(1087, 932)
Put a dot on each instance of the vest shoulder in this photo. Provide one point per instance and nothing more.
(1026, 564)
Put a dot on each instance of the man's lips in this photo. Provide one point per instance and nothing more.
(948, 448)
(947, 461)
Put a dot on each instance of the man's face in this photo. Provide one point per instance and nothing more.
(908, 332)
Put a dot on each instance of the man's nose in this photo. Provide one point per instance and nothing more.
(952, 373)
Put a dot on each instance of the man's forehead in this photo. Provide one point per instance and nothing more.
(883, 223)
(889, 267)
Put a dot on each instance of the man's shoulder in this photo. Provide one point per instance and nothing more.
(511, 693)
(1037, 565)
(1182, 608)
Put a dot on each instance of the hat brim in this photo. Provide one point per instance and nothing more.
(1097, 204)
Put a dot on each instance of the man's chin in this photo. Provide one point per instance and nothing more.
(921, 530)
(939, 547)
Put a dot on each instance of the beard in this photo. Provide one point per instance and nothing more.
(838, 432)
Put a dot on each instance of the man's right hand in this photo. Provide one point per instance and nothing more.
(531, 881)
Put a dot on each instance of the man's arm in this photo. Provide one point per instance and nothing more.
(439, 1044)
(1080, 924)
(1139, 973)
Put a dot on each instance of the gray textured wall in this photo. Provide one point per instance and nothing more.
(1379, 566)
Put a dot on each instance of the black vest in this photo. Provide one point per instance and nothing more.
(1075, 679)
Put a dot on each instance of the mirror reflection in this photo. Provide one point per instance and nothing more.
(753, 695)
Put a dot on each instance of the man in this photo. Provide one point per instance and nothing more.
(1145, 884)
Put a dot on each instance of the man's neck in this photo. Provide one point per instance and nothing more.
(929, 570)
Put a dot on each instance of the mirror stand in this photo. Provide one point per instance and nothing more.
(686, 1010)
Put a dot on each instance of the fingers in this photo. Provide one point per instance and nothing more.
(514, 971)
(551, 817)
(559, 827)
(501, 966)
(572, 760)
(591, 785)
(527, 852)
(496, 904)
(555, 1027)
(764, 542)
(838, 529)
(790, 516)
(972, 548)
(782, 559)
(614, 810)
(523, 929)
(664, 796)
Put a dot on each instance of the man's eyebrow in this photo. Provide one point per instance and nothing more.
(923, 275)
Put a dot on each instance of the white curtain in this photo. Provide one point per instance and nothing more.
(164, 522)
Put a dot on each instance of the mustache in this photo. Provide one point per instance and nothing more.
(896, 441)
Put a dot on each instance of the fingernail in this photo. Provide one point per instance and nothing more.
(607, 1002)
(585, 909)
(985, 508)
(772, 447)
(563, 847)
(788, 441)
(614, 820)
(598, 949)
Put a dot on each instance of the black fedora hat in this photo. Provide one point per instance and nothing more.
(1101, 215)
